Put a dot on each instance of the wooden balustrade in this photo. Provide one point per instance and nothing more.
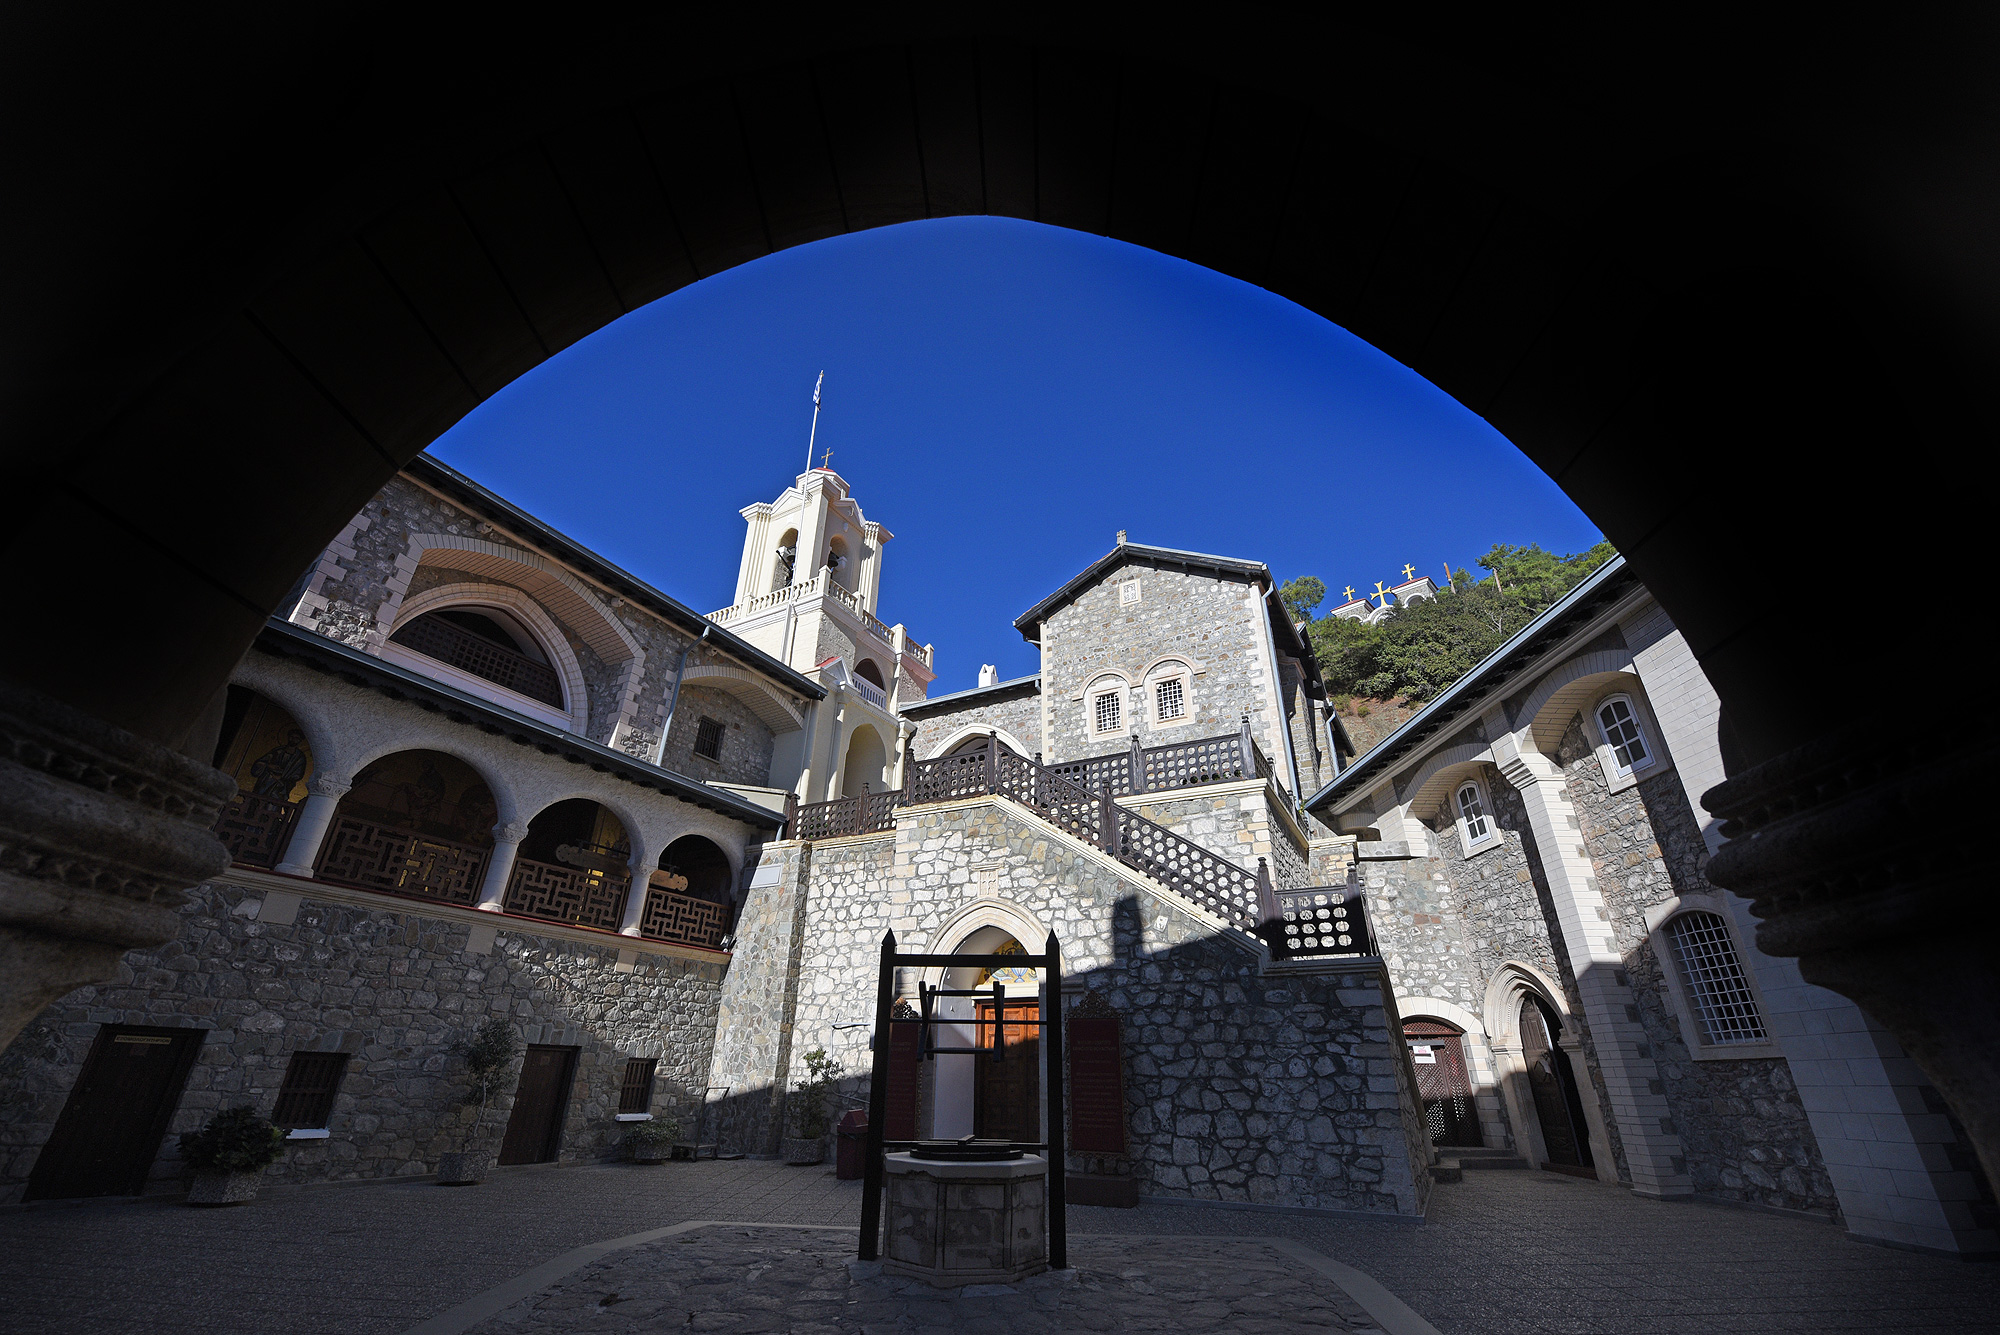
(400, 862)
(1319, 921)
(683, 918)
(579, 896)
(256, 829)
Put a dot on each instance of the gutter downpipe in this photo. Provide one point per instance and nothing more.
(674, 700)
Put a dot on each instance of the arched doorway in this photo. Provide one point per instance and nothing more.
(1552, 1080)
(978, 1095)
(414, 823)
(263, 748)
(867, 763)
(574, 866)
(1437, 1052)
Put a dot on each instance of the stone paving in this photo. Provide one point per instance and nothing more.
(752, 1281)
(1503, 1253)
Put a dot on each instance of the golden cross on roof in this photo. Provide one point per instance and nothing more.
(824, 457)
(1409, 572)
(1380, 592)
(1350, 593)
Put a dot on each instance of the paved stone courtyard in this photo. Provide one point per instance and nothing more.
(1503, 1253)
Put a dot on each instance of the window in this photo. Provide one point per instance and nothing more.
(1717, 991)
(487, 643)
(1475, 824)
(312, 1079)
(708, 739)
(1106, 711)
(636, 1094)
(1128, 593)
(1170, 697)
(1620, 725)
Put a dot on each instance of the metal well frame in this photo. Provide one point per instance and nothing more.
(1053, 1090)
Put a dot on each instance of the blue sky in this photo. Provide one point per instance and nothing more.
(1003, 397)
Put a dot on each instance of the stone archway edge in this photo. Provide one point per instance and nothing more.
(1388, 1311)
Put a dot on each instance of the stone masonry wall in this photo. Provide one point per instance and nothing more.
(1209, 621)
(1243, 1087)
(1741, 1121)
(1020, 715)
(753, 1038)
(746, 741)
(396, 990)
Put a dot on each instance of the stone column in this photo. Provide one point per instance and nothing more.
(1653, 1152)
(323, 793)
(101, 834)
(500, 866)
(635, 898)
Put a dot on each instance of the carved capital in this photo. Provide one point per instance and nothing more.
(324, 784)
(513, 832)
(101, 834)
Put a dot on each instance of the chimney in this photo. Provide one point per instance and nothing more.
(989, 675)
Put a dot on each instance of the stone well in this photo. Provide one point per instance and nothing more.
(967, 1222)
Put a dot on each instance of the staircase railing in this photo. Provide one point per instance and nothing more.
(1187, 764)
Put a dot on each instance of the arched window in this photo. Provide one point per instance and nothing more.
(867, 671)
(487, 643)
(784, 560)
(1618, 722)
(1475, 825)
(1170, 692)
(1713, 981)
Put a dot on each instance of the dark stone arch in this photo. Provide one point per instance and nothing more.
(704, 864)
(268, 263)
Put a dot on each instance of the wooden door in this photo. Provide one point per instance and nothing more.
(534, 1128)
(1007, 1094)
(1437, 1052)
(109, 1133)
(1557, 1106)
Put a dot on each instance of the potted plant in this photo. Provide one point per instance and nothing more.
(487, 1055)
(228, 1155)
(652, 1142)
(808, 1111)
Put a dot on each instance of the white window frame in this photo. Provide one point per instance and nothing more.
(1097, 692)
(1468, 845)
(1174, 670)
(1669, 962)
(1618, 777)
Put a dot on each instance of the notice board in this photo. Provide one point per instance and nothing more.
(1096, 1085)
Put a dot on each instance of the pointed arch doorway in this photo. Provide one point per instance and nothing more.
(1552, 1081)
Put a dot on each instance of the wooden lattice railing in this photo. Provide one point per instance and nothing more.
(256, 829)
(580, 896)
(400, 862)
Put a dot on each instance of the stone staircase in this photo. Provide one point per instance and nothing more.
(1455, 1160)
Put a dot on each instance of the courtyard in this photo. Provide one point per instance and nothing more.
(607, 1248)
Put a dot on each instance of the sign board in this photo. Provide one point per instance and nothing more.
(1096, 1086)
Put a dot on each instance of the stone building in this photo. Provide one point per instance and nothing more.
(483, 773)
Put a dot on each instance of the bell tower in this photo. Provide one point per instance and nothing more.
(814, 526)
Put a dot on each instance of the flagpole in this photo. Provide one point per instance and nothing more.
(813, 438)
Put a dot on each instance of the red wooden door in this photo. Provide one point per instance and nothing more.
(1007, 1093)
(1437, 1052)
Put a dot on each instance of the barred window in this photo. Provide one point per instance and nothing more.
(1107, 711)
(1472, 814)
(1716, 986)
(1171, 696)
(636, 1094)
(1622, 734)
(305, 1100)
(708, 739)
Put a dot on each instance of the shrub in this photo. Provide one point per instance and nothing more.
(236, 1140)
(659, 1131)
(487, 1055)
(808, 1104)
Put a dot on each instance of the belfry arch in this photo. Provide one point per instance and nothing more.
(1653, 296)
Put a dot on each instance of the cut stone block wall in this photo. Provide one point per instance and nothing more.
(397, 991)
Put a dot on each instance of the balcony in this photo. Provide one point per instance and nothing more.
(822, 585)
(256, 829)
(436, 638)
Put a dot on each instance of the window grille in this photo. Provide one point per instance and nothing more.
(1716, 986)
(1621, 733)
(1128, 593)
(708, 739)
(1107, 712)
(636, 1094)
(1473, 813)
(312, 1079)
(1172, 699)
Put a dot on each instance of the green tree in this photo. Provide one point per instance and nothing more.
(1300, 596)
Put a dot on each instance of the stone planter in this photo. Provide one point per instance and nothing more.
(800, 1150)
(461, 1168)
(650, 1151)
(223, 1188)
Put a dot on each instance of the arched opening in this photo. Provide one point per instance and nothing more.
(784, 561)
(414, 823)
(488, 643)
(1558, 1105)
(704, 866)
(691, 896)
(574, 866)
(866, 670)
(843, 565)
(262, 747)
(867, 764)
(975, 1095)
(1437, 1052)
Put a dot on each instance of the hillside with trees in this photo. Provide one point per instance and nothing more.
(1378, 675)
